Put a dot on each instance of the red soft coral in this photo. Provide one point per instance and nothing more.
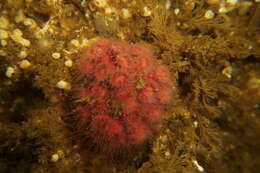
(108, 130)
(123, 100)
(137, 130)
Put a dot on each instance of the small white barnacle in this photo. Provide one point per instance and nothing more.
(9, 72)
(68, 63)
(147, 11)
(125, 13)
(56, 55)
(24, 64)
(222, 9)
(63, 85)
(55, 158)
(23, 54)
(74, 42)
(176, 11)
(227, 72)
(29, 22)
(100, 3)
(167, 155)
(209, 14)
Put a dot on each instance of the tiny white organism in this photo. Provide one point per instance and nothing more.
(195, 123)
(222, 10)
(24, 64)
(100, 3)
(23, 54)
(74, 42)
(17, 37)
(167, 155)
(209, 14)
(227, 72)
(63, 85)
(56, 55)
(147, 11)
(68, 63)
(29, 22)
(9, 72)
(3, 43)
(125, 13)
(55, 158)
(176, 11)
(200, 168)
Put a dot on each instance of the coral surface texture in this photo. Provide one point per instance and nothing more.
(123, 98)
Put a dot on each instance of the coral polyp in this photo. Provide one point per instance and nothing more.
(122, 94)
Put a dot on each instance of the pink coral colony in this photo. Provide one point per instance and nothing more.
(125, 94)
